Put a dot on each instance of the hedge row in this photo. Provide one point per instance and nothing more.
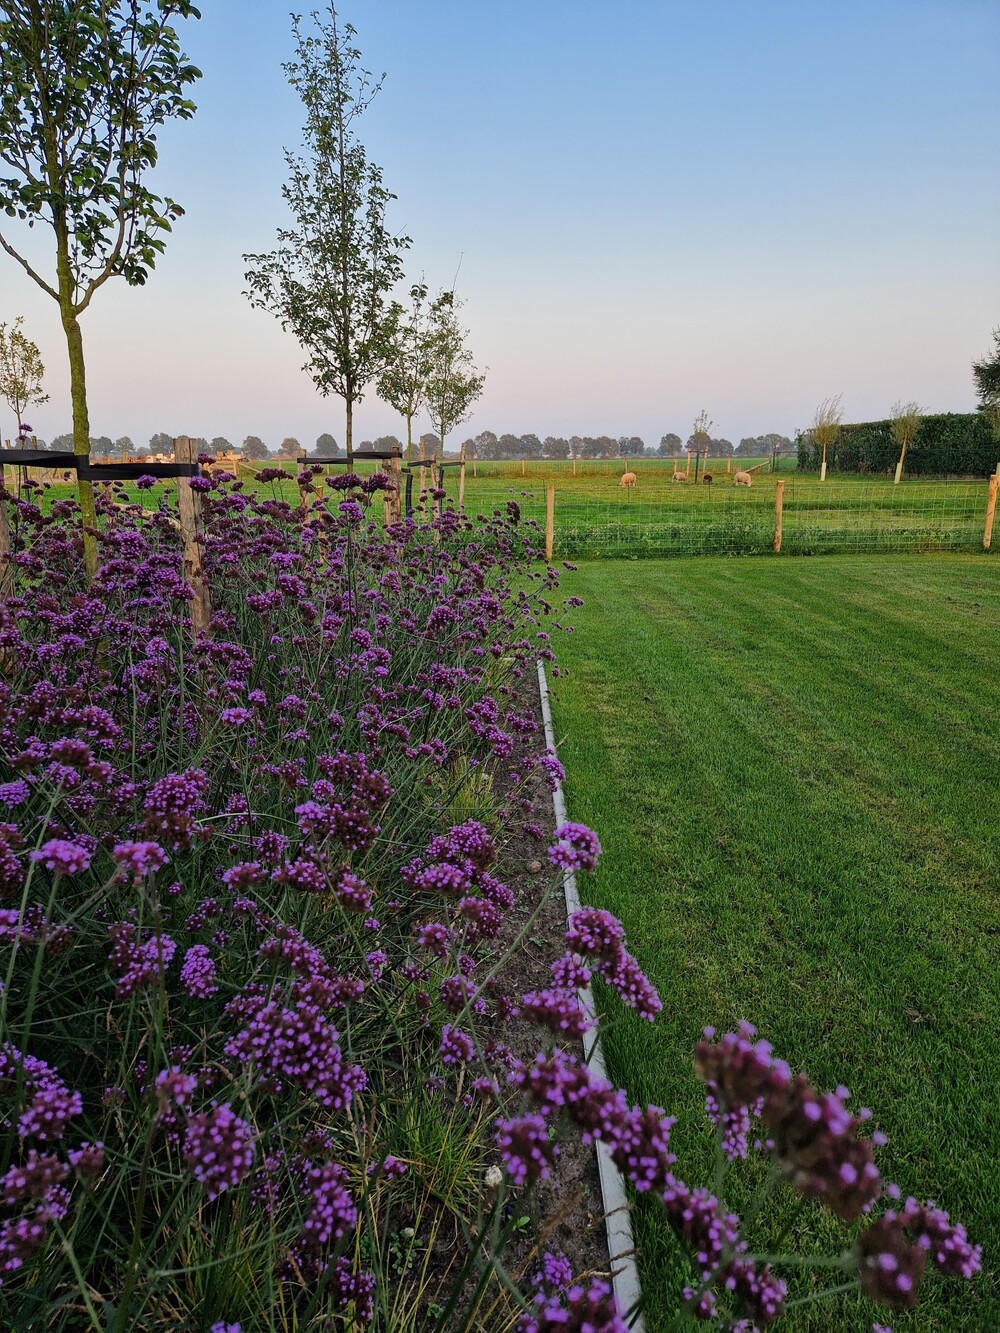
(947, 444)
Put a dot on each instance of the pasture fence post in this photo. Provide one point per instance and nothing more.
(550, 519)
(991, 505)
(779, 500)
(729, 464)
(189, 513)
(4, 543)
(461, 478)
(393, 496)
(574, 465)
(300, 462)
(437, 484)
(522, 467)
(409, 493)
(687, 470)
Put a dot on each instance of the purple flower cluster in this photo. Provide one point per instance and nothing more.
(598, 937)
(576, 848)
(813, 1137)
(579, 1310)
(218, 1149)
(62, 857)
(138, 963)
(293, 1047)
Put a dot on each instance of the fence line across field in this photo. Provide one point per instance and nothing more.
(790, 514)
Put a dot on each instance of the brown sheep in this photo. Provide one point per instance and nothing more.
(679, 476)
(743, 479)
(628, 479)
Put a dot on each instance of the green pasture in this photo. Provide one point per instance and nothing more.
(595, 518)
(793, 769)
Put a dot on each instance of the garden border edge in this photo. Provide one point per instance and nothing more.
(617, 1210)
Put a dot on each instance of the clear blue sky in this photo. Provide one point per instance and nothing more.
(660, 206)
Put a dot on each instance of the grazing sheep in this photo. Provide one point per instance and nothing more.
(679, 476)
(707, 479)
(743, 479)
(628, 479)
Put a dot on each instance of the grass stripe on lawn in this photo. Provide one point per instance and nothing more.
(793, 768)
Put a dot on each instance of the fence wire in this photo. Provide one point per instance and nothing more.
(595, 517)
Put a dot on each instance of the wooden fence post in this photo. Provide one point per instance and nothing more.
(574, 465)
(461, 478)
(991, 505)
(550, 520)
(687, 469)
(779, 500)
(4, 543)
(300, 462)
(522, 467)
(189, 513)
(393, 496)
(729, 463)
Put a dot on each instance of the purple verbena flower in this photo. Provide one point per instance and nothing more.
(62, 857)
(218, 1148)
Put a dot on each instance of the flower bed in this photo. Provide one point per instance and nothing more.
(264, 1033)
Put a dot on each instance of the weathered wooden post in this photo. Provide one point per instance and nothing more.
(729, 464)
(189, 513)
(991, 505)
(779, 500)
(300, 462)
(4, 543)
(550, 519)
(461, 478)
(574, 465)
(393, 495)
(687, 468)
(522, 467)
(437, 483)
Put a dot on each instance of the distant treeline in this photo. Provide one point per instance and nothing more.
(958, 444)
(487, 445)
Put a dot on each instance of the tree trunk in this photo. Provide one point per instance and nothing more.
(899, 466)
(81, 431)
(822, 470)
(409, 439)
(349, 404)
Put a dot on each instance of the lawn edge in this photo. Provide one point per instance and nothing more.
(617, 1210)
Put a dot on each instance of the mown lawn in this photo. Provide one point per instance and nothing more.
(793, 768)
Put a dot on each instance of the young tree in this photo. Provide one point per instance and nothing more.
(255, 449)
(401, 383)
(826, 428)
(453, 383)
(904, 423)
(986, 374)
(21, 370)
(701, 434)
(328, 280)
(83, 86)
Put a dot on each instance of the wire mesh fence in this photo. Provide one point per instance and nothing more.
(595, 517)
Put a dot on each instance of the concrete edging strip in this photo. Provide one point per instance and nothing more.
(617, 1214)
